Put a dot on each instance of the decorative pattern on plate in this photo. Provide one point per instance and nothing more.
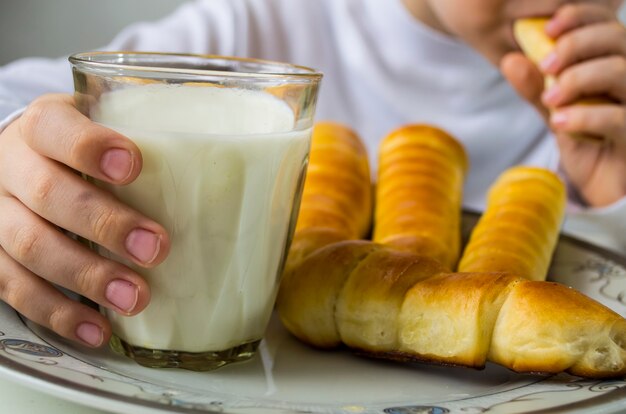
(288, 377)
(30, 351)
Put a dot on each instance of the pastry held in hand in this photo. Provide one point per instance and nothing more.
(519, 229)
(419, 192)
(530, 34)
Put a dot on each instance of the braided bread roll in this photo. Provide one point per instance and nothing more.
(519, 229)
(394, 304)
(419, 192)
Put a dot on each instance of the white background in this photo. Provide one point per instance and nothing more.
(54, 28)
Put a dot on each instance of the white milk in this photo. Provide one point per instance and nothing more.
(223, 184)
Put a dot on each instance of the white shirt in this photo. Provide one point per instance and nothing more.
(382, 68)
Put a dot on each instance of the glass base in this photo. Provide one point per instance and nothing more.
(193, 361)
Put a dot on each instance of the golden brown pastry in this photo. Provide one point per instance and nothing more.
(419, 192)
(527, 326)
(519, 229)
(336, 207)
(394, 304)
(545, 326)
(337, 197)
(530, 34)
(337, 190)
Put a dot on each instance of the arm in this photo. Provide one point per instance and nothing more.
(582, 56)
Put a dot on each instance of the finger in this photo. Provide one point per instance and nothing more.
(40, 302)
(605, 77)
(65, 199)
(586, 43)
(575, 15)
(45, 251)
(607, 121)
(54, 128)
(525, 78)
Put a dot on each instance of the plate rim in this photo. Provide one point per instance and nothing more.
(31, 378)
(59, 387)
(41, 381)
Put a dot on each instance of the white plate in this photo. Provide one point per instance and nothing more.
(287, 376)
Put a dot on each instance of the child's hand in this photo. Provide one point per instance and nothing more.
(40, 190)
(589, 61)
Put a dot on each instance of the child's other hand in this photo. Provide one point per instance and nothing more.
(40, 192)
(589, 61)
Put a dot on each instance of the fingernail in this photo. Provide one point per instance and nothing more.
(548, 64)
(144, 245)
(551, 96)
(90, 333)
(117, 164)
(551, 26)
(559, 118)
(122, 294)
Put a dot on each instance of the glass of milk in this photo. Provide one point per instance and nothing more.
(225, 145)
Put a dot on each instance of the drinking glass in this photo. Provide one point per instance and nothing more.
(224, 143)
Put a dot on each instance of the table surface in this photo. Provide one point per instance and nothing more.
(19, 399)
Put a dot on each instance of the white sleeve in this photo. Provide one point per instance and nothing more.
(23, 80)
(202, 27)
(605, 226)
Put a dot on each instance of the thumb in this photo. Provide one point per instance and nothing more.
(525, 78)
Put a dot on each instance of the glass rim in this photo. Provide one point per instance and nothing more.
(292, 70)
